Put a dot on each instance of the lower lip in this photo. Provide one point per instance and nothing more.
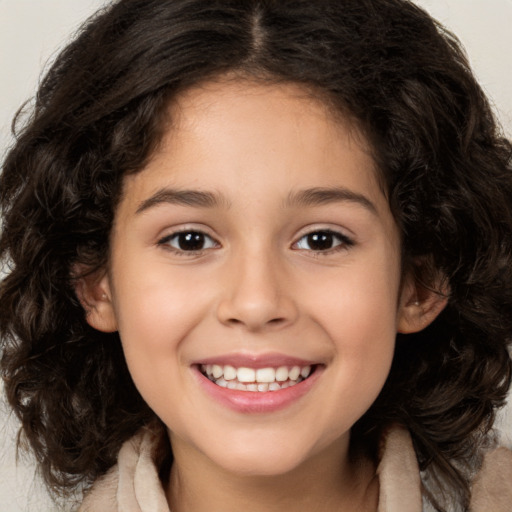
(258, 401)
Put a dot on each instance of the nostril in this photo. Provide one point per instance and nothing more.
(245, 310)
(272, 321)
(276, 321)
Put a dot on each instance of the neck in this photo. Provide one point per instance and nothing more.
(324, 483)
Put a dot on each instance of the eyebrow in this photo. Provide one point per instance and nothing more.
(194, 198)
(325, 195)
(303, 198)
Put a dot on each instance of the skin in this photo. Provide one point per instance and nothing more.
(257, 286)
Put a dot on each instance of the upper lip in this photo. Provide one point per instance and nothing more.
(256, 360)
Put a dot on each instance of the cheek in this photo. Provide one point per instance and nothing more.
(155, 311)
(362, 329)
(158, 303)
(358, 310)
(358, 304)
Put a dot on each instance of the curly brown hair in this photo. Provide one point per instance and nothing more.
(101, 111)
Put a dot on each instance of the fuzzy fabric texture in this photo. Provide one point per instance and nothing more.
(492, 488)
(133, 485)
(399, 474)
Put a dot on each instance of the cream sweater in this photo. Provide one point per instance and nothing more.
(132, 485)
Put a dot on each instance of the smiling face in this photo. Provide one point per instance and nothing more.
(256, 251)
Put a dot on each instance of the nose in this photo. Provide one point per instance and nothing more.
(258, 294)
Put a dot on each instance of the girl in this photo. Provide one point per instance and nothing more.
(259, 257)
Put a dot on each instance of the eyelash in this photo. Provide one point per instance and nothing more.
(166, 242)
(343, 242)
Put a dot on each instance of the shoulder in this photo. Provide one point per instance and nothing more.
(133, 483)
(492, 487)
(400, 479)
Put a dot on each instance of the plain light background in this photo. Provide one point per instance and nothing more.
(32, 31)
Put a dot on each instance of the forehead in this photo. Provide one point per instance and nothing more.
(246, 136)
(234, 101)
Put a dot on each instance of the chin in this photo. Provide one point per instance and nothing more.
(256, 465)
(260, 458)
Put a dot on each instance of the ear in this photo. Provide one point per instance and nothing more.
(420, 305)
(93, 290)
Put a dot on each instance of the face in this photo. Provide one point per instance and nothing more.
(255, 278)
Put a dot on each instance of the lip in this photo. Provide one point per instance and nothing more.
(257, 402)
(256, 360)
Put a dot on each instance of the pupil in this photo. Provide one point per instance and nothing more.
(191, 241)
(320, 241)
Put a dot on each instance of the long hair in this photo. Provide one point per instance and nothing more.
(101, 111)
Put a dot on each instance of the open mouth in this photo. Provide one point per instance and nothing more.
(256, 379)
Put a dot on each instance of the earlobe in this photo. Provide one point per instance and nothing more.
(94, 293)
(420, 306)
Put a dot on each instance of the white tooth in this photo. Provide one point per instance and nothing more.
(282, 374)
(245, 374)
(209, 369)
(217, 371)
(285, 385)
(293, 374)
(232, 384)
(252, 387)
(222, 383)
(305, 371)
(274, 386)
(263, 386)
(266, 375)
(229, 373)
(241, 387)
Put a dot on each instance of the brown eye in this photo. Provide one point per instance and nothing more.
(188, 241)
(323, 240)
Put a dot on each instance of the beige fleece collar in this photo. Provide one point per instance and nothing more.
(132, 485)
